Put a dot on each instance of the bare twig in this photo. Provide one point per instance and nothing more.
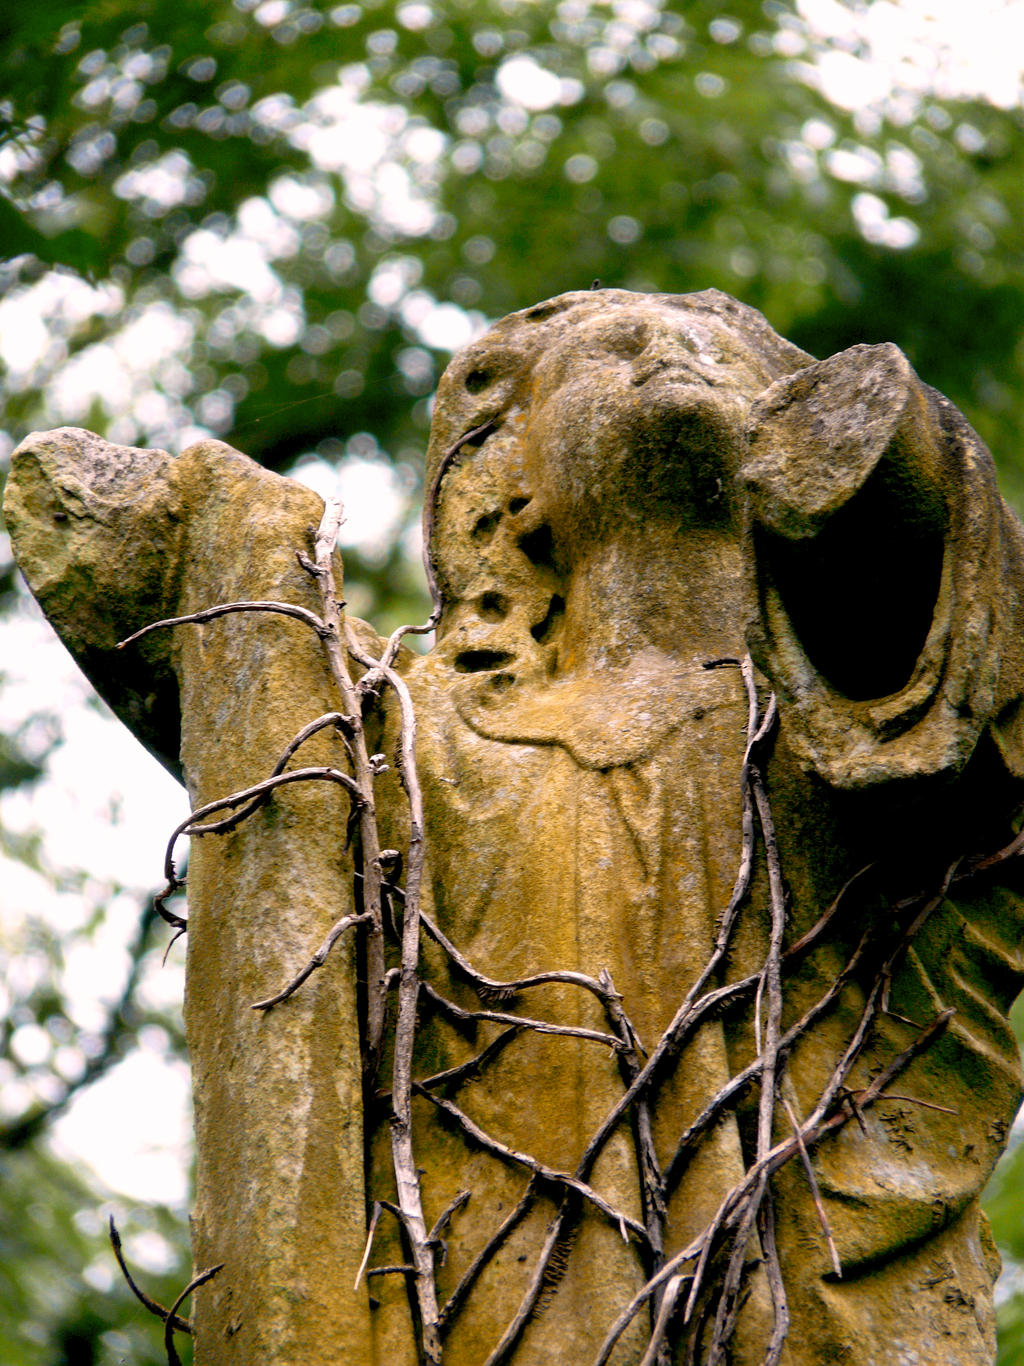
(456, 1012)
(728, 1306)
(771, 982)
(686, 1019)
(776, 1285)
(665, 1311)
(337, 719)
(171, 888)
(746, 865)
(510, 1155)
(817, 1129)
(729, 1303)
(500, 1236)
(985, 863)
(374, 1218)
(926, 1104)
(504, 990)
(317, 961)
(812, 1181)
(819, 927)
(321, 567)
(555, 1232)
(737, 1083)
(403, 1160)
(813, 1130)
(180, 1325)
(442, 1221)
(296, 775)
(321, 773)
(652, 1181)
(169, 1323)
(453, 1076)
(818, 1124)
(258, 791)
(285, 609)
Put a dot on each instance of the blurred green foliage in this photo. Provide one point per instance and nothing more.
(271, 220)
(62, 1301)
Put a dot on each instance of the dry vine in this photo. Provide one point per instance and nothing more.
(171, 1319)
(695, 1295)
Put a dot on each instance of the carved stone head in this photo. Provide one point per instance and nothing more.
(614, 420)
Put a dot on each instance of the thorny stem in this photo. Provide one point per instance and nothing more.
(479, 433)
(812, 1182)
(189, 825)
(728, 1306)
(776, 1286)
(180, 1325)
(555, 1232)
(466, 1071)
(253, 797)
(497, 1239)
(444, 1218)
(455, 1012)
(652, 1180)
(336, 719)
(504, 990)
(547, 1174)
(812, 1131)
(668, 1304)
(172, 1314)
(223, 609)
(742, 1079)
(317, 961)
(406, 1173)
(322, 569)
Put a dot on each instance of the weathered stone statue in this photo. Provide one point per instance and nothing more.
(766, 917)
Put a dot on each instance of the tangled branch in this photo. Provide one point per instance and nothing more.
(696, 1292)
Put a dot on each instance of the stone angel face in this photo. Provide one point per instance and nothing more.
(608, 473)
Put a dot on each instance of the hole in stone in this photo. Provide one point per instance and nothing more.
(862, 607)
(479, 661)
(539, 548)
(477, 380)
(544, 630)
(493, 607)
(517, 505)
(483, 527)
(540, 312)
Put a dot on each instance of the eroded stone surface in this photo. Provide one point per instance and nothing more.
(663, 480)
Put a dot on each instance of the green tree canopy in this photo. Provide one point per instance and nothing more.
(310, 199)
